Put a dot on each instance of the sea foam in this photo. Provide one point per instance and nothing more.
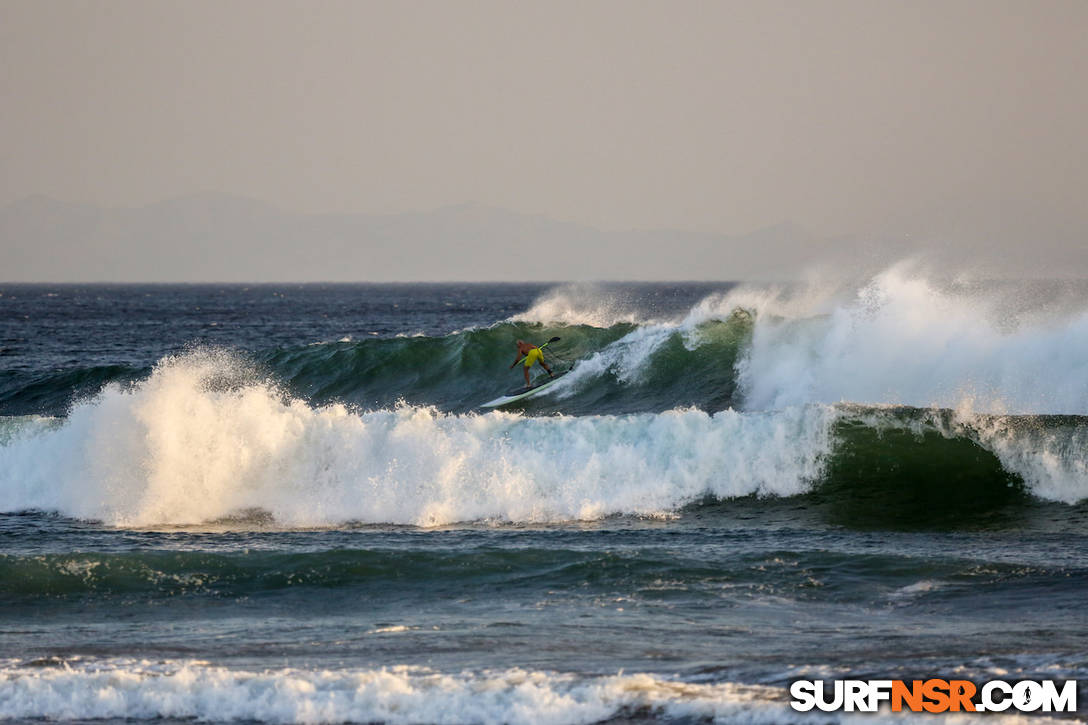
(142, 690)
(201, 439)
(193, 690)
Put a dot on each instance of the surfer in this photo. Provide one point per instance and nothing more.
(532, 354)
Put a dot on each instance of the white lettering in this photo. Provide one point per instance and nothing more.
(804, 695)
(997, 705)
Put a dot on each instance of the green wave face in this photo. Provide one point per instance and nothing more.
(455, 373)
(459, 372)
(901, 478)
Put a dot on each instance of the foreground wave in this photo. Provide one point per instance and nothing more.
(195, 442)
(202, 439)
(132, 689)
(193, 690)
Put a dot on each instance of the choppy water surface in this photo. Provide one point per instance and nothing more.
(282, 503)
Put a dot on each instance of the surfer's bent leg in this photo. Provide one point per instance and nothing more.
(531, 358)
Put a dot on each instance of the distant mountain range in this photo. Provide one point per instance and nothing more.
(225, 238)
(218, 237)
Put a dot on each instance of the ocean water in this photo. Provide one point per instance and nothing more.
(282, 503)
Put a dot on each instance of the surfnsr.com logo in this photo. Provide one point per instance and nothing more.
(935, 695)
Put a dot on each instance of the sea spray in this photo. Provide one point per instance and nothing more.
(896, 339)
(605, 305)
(904, 340)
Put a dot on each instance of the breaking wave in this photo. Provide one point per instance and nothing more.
(755, 391)
(199, 440)
(205, 437)
(194, 690)
(897, 339)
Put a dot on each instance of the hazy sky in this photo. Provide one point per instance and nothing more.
(840, 116)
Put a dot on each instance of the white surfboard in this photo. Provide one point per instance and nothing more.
(523, 393)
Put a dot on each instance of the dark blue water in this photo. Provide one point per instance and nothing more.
(283, 503)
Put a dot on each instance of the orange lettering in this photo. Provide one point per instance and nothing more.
(961, 692)
(937, 692)
(911, 695)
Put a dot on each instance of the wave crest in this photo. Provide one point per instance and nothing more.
(902, 340)
(138, 689)
(200, 440)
